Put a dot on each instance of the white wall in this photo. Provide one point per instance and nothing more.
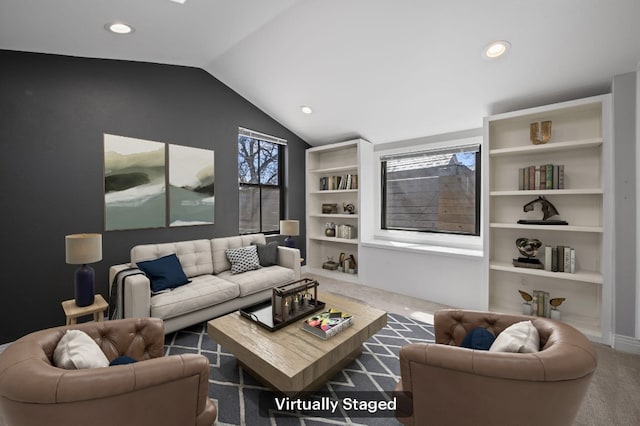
(448, 279)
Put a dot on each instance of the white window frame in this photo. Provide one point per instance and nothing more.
(468, 245)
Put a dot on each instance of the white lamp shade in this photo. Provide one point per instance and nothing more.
(290, 227)
(83, 248)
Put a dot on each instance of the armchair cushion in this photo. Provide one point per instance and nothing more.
(77, 350)
(521, 337)
(164, 273)
(122, 360)
(478, 338)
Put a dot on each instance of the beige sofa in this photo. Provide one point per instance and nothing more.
(212, 291)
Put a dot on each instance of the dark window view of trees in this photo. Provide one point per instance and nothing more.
(259, 172)
(435, 192)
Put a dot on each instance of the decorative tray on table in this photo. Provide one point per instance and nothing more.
(289, 303)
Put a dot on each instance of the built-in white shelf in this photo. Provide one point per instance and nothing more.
(581, 141)
(334, 239)
(583, 276)
(585, 191)
(339, 159)
(547, 148)
(336, 169)
(561, 228)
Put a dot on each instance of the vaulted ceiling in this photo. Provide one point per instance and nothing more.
(384, 70)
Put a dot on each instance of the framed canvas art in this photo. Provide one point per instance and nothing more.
(134, 183)
(191, 186)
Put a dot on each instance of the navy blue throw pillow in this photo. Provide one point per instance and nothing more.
(164, 273)
(478, 338)
(121, 360)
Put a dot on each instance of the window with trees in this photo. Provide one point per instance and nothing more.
(260, 178)
(432, 191)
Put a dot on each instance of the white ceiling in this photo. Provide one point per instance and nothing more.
(384, 70)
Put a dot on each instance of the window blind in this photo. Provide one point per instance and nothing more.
(260, 136)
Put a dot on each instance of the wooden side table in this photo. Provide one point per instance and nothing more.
(72, 311)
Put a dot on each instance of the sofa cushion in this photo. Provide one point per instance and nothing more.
(219, 245)
(243, 259)
(200, 293)
(267, 253)
(195, 256)
(520, 337)
(255, 281)
(77, 350)
(164, 273)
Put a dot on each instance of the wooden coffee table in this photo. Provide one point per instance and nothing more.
(291, 360)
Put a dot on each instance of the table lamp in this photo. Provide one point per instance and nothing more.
(82, 249)
(290, 228)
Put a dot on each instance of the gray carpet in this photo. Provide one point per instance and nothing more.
(242, 400)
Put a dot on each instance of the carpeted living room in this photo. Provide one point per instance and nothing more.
(343, 212)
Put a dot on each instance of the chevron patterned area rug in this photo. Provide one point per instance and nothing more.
(242, 400)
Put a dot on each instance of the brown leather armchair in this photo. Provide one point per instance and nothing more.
(157, 390)
(443, 384)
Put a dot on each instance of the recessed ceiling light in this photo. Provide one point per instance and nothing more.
(119, 28)
(179, 1)
(306, 109)
(497, 49)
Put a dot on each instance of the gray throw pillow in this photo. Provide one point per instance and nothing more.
(267, 253)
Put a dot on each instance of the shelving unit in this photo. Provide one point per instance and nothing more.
(340, 159)
(581, 141)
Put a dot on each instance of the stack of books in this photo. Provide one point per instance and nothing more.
(560, 259)
(327, 324)
(546, 176)
(333, 183)
(346, 231)
(540, 304)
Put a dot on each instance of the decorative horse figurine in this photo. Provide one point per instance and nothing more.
(548, 209)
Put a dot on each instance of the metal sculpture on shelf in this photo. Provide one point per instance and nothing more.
(548, 210)
(348, 208)
(528, 248)
(540, 134)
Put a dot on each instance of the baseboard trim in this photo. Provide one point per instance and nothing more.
(626, 344)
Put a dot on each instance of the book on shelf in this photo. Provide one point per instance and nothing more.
(346, 231)
(560, 259)
(545, 176)
(540, 305)
(338, 183)
(328, 323)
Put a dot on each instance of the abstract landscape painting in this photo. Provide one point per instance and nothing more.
(134, 183)
(191, 186)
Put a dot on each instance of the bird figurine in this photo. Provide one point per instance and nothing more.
(526, 296)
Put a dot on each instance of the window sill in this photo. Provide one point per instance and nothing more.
(423, 248)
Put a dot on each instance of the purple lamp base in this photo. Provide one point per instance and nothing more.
(85, 285)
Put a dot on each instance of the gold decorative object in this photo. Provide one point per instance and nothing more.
(526, 296)
(555, 302)
(540, 133)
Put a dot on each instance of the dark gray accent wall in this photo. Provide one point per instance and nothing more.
(624, 237)
(54, 111)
